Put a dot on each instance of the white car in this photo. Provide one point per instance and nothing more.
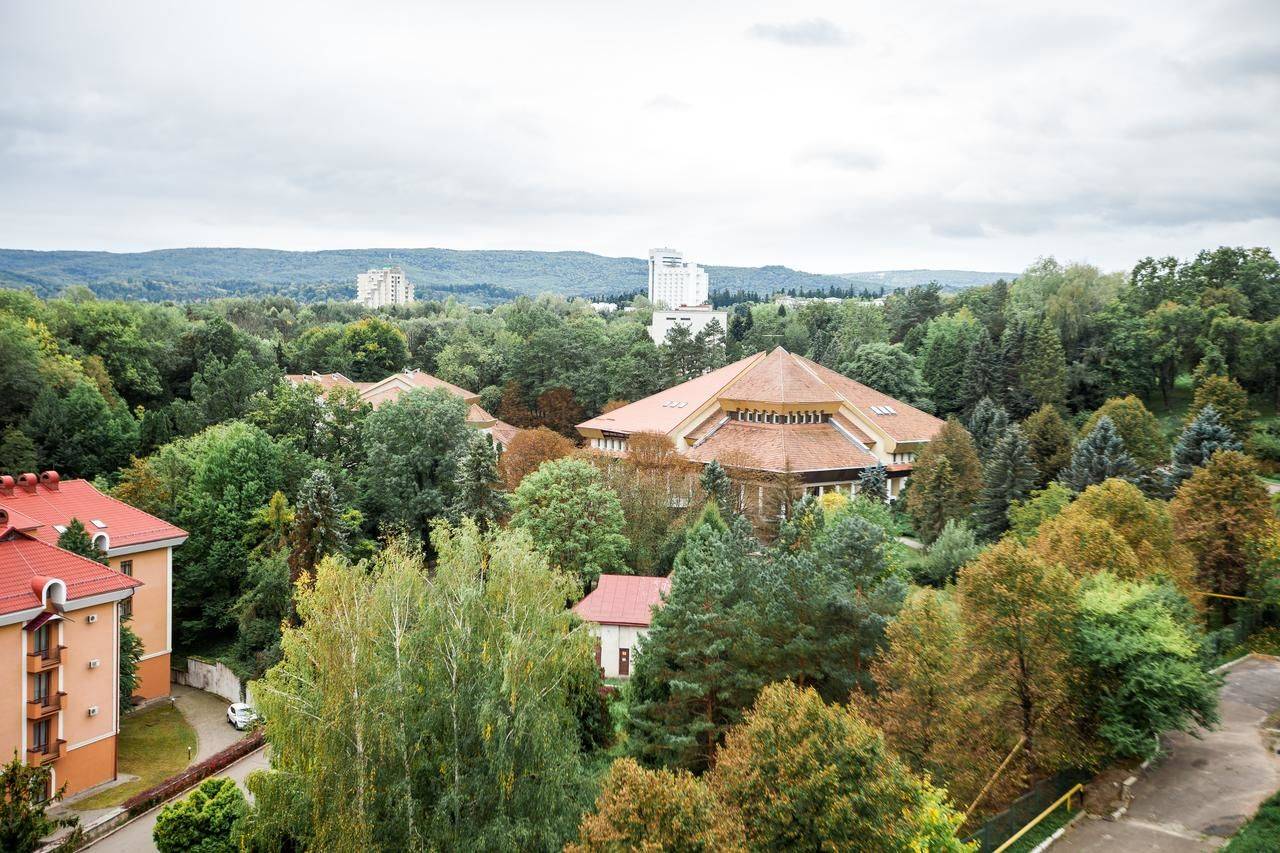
(241, 716)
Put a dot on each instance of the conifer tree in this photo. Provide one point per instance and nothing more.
(1138, 428)
(717, 485)
(986, 424)
(694, 679)
(1228, 398)
(1044, 369)
(1048, 442)
(320, 527)
(1016, 344)
(76, 540)
(945, 481)
(478, 493)
(1202, 438)
(1099, 456)
(1008, 477)
(873, 483)
(983, 372)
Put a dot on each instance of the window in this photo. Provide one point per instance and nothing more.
(40, 692)
(40, 639)
(126, 608)
(624, 661)
(40, 736)
(126, 567)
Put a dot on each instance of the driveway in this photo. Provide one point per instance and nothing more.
(135, 836)
(207, 714)
(1204, 789)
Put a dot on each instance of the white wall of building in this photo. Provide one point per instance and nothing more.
(615, 637)
(676, 281)
(695, 318)
(387, 286)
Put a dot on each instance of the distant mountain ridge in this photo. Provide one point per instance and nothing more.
(477, 276)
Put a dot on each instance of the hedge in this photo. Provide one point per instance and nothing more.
(180, 782)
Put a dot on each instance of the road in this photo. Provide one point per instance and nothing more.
(207, 714)
(136, 836)
(1205, 788)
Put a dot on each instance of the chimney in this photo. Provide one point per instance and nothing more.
(4, 518)
(49, 479)
(27, 482)
(6, 486)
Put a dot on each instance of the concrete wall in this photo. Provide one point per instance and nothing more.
(615, 637)
(212, 678)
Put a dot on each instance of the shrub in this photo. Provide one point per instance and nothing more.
(205, 821)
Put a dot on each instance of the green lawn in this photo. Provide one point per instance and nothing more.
(1043, 830)
(1261, 833)
(152, 746)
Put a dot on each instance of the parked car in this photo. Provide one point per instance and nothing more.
(241, 716)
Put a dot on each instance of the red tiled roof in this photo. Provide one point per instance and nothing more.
(623, 600)
(125, 525)
(396, 384)
(906, 424)
(664, 411)
(23, 558)
(781, 448)
(779, 378)
(324, 380)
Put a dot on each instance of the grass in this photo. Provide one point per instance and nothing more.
(152, 746)
(1261, 833)
(1043, 830)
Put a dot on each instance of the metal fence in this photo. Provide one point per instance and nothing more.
(1002, 827)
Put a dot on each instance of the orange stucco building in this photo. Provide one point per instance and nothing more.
(60, 620)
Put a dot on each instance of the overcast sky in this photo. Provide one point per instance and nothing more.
(829, 137)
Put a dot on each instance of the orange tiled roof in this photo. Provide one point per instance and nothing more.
(124, 525)
(779, 378)
(662, 412)
(24, 558)
(906, 424)
(781, 447)
(324, 380)
(623, 600)
(396, 384)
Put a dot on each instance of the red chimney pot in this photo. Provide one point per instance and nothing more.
(27, 482)
(49, 479)
(6, 486)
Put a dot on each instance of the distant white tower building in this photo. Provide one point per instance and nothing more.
(387, 286)
(685, 289)
(676, 281)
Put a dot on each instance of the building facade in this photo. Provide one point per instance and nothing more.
(381, 287)
(695, 319)
(774, 417)
(675, 281)
(619, 611)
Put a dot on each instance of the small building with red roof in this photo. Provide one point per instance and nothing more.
(619, 611)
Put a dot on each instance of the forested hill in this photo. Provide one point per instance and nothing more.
(472, 276)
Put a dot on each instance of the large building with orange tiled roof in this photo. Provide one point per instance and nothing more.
(390, 388)
(60, 621)
(777, 414)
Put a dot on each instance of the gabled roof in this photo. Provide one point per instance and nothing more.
(623, 600)
(51, 506)
(779, 378)
(24, 559)
(407, 380)
(325, 380)
(664, 411)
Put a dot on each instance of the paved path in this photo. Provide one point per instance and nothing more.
(136, 836)
(207, 714)
(1204, 789)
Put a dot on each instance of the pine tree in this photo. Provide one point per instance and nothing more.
(478, 493)
(1015, 350)
(873, 483)
(1099, 456)
(76, 540)
(1202, 438)
(717, 485)
(986, 424)
(1044, 370)
(1008, 476)
(1048, 442)
(945, 480)
(983, 372)
(320, 527)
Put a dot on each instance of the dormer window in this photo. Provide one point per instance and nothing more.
(98, 523)
(61, 528)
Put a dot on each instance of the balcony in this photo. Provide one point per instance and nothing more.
(38, 709)
(39, 756)
(45, 660)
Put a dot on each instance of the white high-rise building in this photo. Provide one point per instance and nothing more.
(387, 286)
(675, 281)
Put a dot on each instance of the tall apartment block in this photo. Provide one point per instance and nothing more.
(386, 286)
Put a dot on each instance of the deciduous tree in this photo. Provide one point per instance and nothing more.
(946, 480)
(1048, 442)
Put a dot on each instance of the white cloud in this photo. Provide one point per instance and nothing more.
(978, 137)
(814, 32)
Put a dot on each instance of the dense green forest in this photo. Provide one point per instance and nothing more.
(1100, 480)
(477, 277)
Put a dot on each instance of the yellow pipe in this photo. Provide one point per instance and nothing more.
(1224, 595)
(1065, 797)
